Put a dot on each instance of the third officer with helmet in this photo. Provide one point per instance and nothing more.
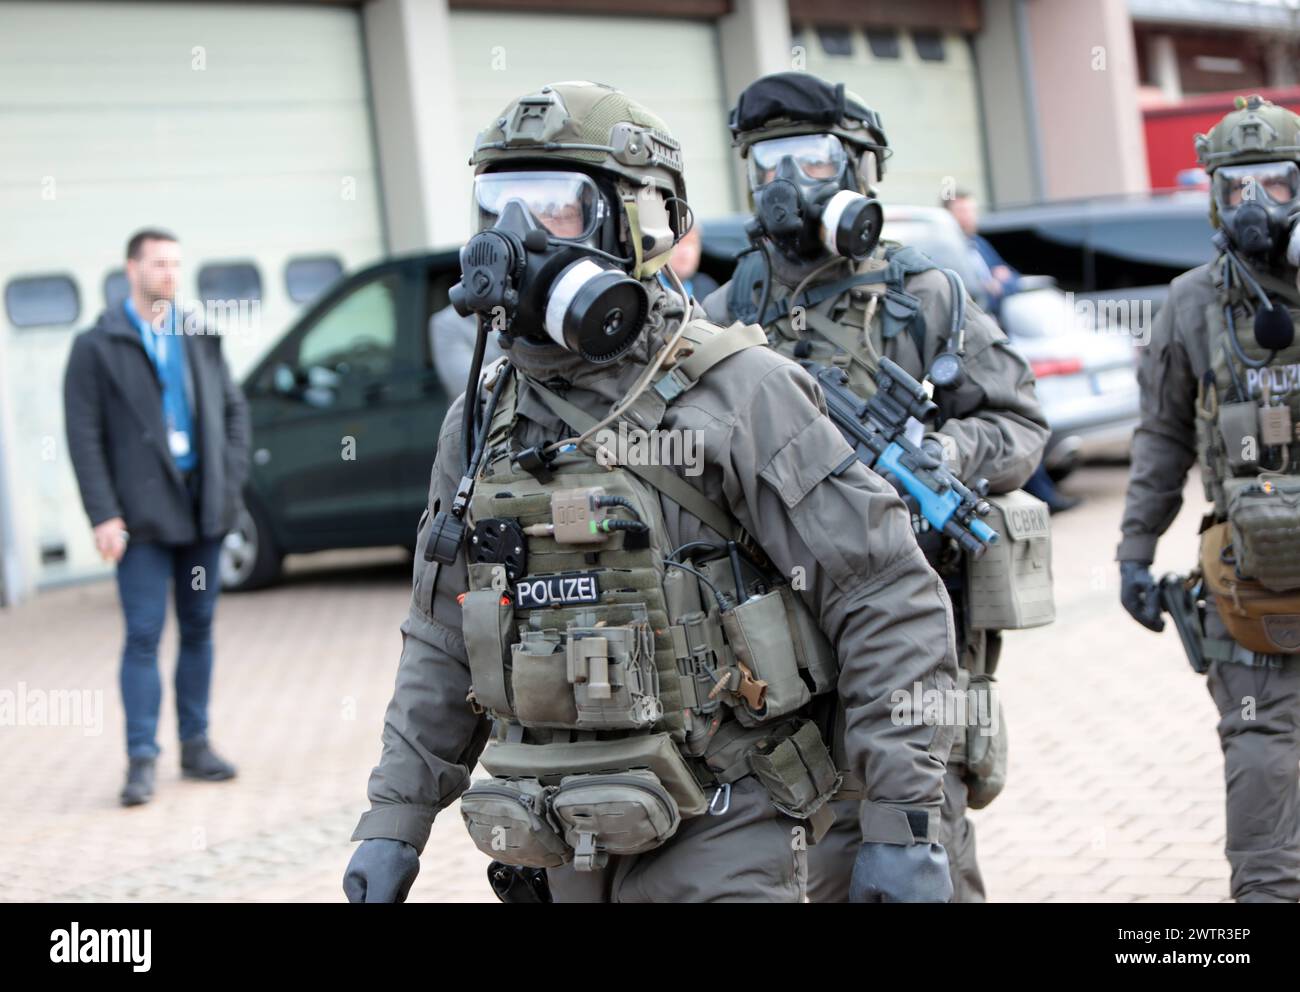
(1220, 387)
(877, 319)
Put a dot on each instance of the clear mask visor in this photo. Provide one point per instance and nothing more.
(566, 204)
(1263, 182)
(817, 156)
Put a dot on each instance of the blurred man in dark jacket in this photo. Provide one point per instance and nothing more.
(158, 435)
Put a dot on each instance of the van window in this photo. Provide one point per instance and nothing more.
(358, 335)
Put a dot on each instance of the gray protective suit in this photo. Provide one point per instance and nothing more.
(773, 458)
(992, 427)
(1261, 748)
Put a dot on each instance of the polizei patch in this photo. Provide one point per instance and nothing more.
(564, 589)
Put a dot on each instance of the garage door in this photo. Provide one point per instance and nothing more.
(669, 65)
(923, 85)
(245, 129)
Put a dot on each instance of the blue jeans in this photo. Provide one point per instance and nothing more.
(1040, 484)
(143, 575)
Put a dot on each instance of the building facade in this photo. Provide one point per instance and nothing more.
(287, 143)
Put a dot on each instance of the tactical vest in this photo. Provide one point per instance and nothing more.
(1249, 453)
(869, 321)
(620, 687)
(1240, 436)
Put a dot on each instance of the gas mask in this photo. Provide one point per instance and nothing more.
(1257, 206)
(806, 202)
(542, 266)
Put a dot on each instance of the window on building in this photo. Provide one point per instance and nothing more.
(227, 281)
(358, 335)
(929, 45)
(42, 301)
(884, 43)
(836, 41)
(306, 278)
(116, 289)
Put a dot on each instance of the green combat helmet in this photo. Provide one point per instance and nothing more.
(592, 126)
(1255, 131)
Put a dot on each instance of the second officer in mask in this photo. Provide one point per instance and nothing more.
(1221, 386)
(828, 292)
(630, 649)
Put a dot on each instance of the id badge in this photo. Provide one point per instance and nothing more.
(179, 443)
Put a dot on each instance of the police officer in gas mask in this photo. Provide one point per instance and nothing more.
(1221, 386)
(630, 648)
(828, 291)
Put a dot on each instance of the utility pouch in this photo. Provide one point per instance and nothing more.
(602, 814)
(612, 670)
(586, 677)
(986, 742)
(798, 773)
(506, 819)
(813, 651)
(1239, 427)
(539, 675)
(1264, 514)
(488, 626)
(1257, 618)
(1010, 585)
(550, 763)
(759, 633)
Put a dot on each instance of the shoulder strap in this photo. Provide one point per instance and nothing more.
(711, 347)
(744, 281)
(661, 478)
(503, 418)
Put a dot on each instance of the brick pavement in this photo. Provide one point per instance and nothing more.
(1115, 790)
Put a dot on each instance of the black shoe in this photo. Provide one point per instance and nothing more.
(139, 782)
(1063, 503)
(199, 761)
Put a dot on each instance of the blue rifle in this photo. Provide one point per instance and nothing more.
(877, 430)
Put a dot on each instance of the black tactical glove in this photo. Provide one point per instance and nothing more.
(900, 873)
(381, 870)
(1138, 593)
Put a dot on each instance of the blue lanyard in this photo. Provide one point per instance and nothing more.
(154, 344)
